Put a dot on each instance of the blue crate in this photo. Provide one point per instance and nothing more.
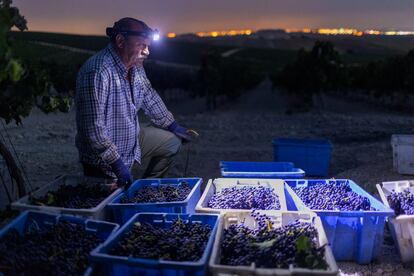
(353, 235)
(311, 155)
(260, 170)
(123, 212)
(44, 220)
(119, 265)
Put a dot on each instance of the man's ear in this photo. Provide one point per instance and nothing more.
(120, 41)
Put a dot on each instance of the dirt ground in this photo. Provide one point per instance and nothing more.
(244, 131)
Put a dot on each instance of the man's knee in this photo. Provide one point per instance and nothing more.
(159, 142)
(173, 145)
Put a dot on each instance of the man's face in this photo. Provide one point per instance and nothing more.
(137, 49)
(134, 49)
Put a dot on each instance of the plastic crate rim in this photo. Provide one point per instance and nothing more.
(101, 257)
(55, 209)
(386, 212)
(165, 203)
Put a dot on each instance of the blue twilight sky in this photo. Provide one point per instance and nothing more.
(92, 16)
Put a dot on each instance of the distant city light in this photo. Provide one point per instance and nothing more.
(320, 31)
(372, 32)
(340, 31)
(224, 33)
(347, 31)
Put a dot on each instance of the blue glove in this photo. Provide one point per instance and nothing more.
(122, 173)
(180, 132)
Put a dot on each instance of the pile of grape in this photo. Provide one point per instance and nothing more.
(62, 249)
(402, 203)
(180, 242)
(269, 247)
(333, 196)
(159, 193)
(246, 197)
(77, 197)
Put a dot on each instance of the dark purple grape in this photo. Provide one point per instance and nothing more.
(180, 242)
(333, 196)
(77, 197)
(246, 197)
(159, 193)
(268, 247)
(62, 249)
(402, 203)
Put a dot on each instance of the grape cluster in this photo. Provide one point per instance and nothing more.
(269, 247)
(77, 197)
(180, 242)
(402, 203)
(159, 193)
(333, 196)
(246, 197)
(62, 249)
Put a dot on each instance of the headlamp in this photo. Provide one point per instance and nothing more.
(152, 34)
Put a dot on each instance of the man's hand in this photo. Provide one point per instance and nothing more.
(113, 186)
(122, 173)
(183, 133)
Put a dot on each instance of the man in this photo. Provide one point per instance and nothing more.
(110, 89)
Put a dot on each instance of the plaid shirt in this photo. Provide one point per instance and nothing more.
(106, 110)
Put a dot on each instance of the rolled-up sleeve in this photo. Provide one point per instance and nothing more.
(154, 107)
(92, 90)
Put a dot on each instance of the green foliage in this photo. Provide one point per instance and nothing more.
(21, 86)
(305, 256)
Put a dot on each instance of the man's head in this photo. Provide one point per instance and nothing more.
(131, 38)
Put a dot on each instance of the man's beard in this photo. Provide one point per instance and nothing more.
(139, 60)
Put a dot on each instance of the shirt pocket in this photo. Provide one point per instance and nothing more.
(139, 94)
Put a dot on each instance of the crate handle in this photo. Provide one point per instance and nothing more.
(251, 183)
(247, 183)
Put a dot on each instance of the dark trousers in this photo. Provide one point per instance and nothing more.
(158, 148)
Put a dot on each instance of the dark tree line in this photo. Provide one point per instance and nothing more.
(224, 76)
(391, 78)
(314, 71)
(322, 70)
(217, 76)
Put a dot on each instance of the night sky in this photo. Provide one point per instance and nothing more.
(92, 16)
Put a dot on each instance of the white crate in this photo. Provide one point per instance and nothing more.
(280, 218)
(402, 226)
(403, 153)
(98, 212)
(218, 184)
